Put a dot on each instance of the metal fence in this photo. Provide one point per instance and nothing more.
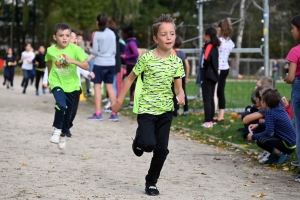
(250, 70)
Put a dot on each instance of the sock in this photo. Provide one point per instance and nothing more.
(113, 113)
(98, 113)
(131, 102)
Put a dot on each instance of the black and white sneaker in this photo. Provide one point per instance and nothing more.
(136, 150)
(151, 190)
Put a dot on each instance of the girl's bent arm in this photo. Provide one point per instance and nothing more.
(291, 75)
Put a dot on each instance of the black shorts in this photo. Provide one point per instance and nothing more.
(103, 73)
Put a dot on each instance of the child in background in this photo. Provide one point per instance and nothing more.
(27, 65)
(224, 33)
(288, 107)
(258, 116)
(130, 56)
(186, 65)
(9, 68)
(39, 69)
(104, 48)
(293, 77)
(279, 138)
(153, 102)
(265, 82)
(62, 60)
(209, 73)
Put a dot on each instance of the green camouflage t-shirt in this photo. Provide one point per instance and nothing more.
(65, 77)
(153, 92)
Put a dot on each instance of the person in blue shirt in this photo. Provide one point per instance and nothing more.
(279, 137)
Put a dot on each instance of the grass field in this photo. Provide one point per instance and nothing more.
(237, 92)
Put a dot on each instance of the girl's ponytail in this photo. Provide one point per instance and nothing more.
(212, 33)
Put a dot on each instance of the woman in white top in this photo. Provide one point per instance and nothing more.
(224, 33)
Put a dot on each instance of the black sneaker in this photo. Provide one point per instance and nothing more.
(272, 159)
(151, 190)
(66, 134)
(136, 150)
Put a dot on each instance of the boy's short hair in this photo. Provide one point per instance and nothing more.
(178, 42)
(266, 81)
(271, 97)
(61, 26)
(164, 18)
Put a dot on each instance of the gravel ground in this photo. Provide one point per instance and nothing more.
(98, 162)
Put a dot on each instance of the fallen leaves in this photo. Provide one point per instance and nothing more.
(258, 195)
(86, 156)
(235, 115)
(38, 195)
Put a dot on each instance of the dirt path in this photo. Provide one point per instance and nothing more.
(98, 162)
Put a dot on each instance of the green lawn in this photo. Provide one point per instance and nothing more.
(237, 93)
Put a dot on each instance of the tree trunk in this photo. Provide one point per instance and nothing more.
(240, 34)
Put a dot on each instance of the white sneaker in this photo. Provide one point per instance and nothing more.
(55, 136)
(207, 124)
(62, 143)
(107, 105)
(264, 157)
(105, 100)
(107, 111)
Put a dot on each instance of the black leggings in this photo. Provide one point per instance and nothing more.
(208, 90)
(38, 76)
(221, 88)
(153, 135)
(269, 143)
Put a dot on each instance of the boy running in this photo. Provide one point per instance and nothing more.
(62, 60)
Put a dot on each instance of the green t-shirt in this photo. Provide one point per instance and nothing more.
(66, 77)
(153, 92)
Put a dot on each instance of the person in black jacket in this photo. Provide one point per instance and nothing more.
(40, 68)
(209, 73)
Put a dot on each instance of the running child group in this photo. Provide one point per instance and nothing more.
(156, 81)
